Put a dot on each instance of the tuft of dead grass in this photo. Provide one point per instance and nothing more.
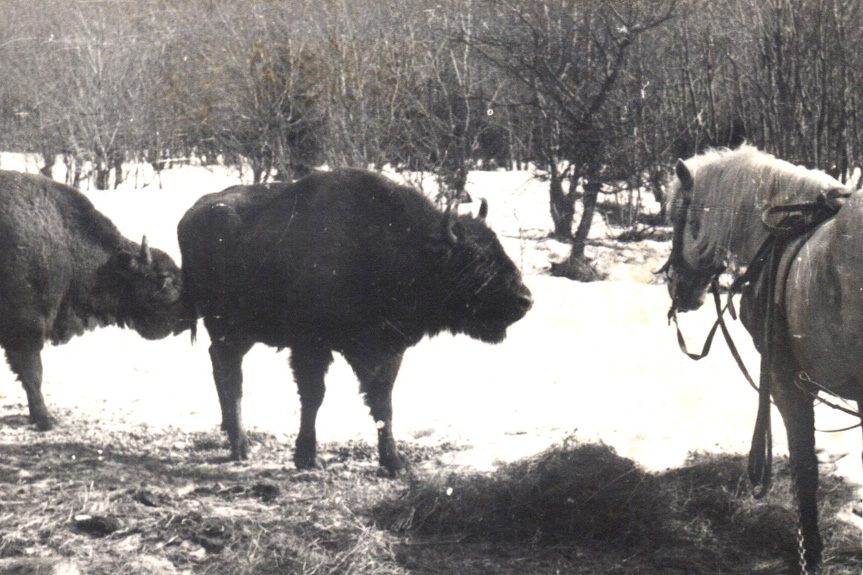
(571, 493)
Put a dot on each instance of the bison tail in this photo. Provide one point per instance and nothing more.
(190, 309)
(193, 329)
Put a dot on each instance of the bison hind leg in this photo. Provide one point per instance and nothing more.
(26, 363)
(310, 365)
(226, 355)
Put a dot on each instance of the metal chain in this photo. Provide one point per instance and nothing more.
(801, 549)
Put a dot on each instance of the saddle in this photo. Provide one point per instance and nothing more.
(762, 286)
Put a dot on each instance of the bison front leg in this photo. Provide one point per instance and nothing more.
(377, 377)
(309, 367)
(27, 365)
(227, 358)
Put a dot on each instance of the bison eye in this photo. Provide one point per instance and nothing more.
(164, 280)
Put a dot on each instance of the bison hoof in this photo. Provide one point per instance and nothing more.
(306, 451)
(240, 450)
(392, 468)
(306, 461)
(43, 423)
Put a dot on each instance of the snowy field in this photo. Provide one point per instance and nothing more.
(593, 361)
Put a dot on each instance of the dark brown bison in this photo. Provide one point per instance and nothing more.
(344, 261)
(65, 269)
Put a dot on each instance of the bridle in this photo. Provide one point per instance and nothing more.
(677, 265)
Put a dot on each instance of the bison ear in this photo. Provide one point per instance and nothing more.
(685, 177)
(483, 209)
(146, 257)
(125, 259)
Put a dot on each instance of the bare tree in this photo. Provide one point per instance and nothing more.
(581, 88)
(570, 55)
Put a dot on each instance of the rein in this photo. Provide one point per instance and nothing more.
(719, 323)
(760, 463)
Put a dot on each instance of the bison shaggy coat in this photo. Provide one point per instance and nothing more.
(65, 269)
(344, 261)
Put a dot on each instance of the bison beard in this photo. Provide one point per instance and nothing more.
(65, 269)
(344, 261)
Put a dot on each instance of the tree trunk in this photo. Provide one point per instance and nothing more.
(103, 174)
(588, 202)
(562, 204)
(577, 267)
(117, 158)
(49, 155)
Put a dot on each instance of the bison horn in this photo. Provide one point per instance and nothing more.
(483, 209)
(146, 256)
(447, 226)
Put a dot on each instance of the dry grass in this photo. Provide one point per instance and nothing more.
(177, 506)
(182, 507)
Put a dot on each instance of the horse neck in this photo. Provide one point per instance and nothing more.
(747, 237)
(729, 235)
(745, 229)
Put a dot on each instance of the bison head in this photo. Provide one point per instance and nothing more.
(484, 290)
(146, 284)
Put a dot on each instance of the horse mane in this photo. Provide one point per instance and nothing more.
(732, 187)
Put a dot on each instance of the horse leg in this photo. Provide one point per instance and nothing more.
(377, 377)
(226, 355)
(309, 365)
(797, 411)
(26, 363)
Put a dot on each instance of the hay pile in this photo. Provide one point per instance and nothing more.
(585, 504)
(562, 495)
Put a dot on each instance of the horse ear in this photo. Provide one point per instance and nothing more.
(146, 257)
(684, 175)
(483, 209)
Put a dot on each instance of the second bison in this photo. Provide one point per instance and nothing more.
(344, 261)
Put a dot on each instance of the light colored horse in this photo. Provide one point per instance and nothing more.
(716, 204)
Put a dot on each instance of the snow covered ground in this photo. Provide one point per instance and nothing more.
(595, 361)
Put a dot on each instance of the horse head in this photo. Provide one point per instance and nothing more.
(693, 264)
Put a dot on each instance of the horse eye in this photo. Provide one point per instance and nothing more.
(694, 227)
